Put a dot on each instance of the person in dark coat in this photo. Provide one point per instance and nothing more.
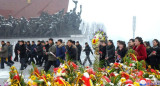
(60, 51)
(87, 50)
(118, 44)
(74, 46)
(79, 47)
(33, 52)
(28, 51)
(52, 59)
(103, 54)
(4, 55)
(23, 55)
(140, 49)
(155, 55)
(148, 49)
(71, 51)
(10, 52)
(110, 52)
(121, 52)
(44, 55)
(39, 53)
(16, 51)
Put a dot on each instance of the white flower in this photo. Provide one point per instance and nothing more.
(143, 82)
(63, 74)
(86, 75)
(133, 64)
(9, 83)
(111, 84)
(111, 64)
(41, 80)
(9, 80)
(129, 85)
(49, 84)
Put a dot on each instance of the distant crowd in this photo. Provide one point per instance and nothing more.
(48, 53)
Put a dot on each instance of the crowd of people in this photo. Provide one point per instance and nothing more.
(44, 53)
(110, 54)
(48, 53)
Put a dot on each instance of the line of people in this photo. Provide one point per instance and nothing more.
(110, 54)
(43, 53)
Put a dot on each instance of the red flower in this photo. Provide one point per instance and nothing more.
(16, 77)
(116, 64)
(55, 70)
(100, 52)
(129, 82)
(125, 75)
(107, 79)
(140, 73)
(130, 64)
(90, 71)
(73, 64)
(112, 74)
(153, 71)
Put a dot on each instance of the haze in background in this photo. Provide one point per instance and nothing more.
(117, 16)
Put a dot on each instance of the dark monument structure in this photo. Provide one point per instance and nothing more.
(60, 24)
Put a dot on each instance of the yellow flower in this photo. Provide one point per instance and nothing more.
(149, 66)
(65, 67)
(136, 84)
(109, 71)
(48, 76)
(59, 70)
(123, 80)
(33, 77)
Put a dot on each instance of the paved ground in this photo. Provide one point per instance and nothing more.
(4, 73)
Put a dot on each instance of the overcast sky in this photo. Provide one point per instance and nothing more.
(117, 16)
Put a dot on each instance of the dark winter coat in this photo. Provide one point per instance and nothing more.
(79, 47)
(4, 51)
(22, 50)
(72, 52)
(154, 59)
(28, 49)
(60, 51)
(39, 50)
(47, 47)
(122, 52)
(88, 50)
(141, 51)
(10, 50)
(110, 53)
(16, 48)
(33, 50)
(102, 53)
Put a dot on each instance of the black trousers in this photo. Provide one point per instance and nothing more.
(87, 58)
(49, 64)
(45, 58)
(79, 59)
(23, 63)
(16, 56)
(3, 60)
(39, 60)
(9, 60)
(32, 59)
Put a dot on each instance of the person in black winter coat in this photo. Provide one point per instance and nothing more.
(71, 51)
(33, 53)
(148, 49)
(110, 52)
(87, 51)
(121, 52)
(23, 56)
(79, 47)
(102, 52)
(39, 53)
(155, 55)
(16, 51)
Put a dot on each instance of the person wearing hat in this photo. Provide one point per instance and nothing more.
(87, 51)
(79, 47)
(23, 55)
